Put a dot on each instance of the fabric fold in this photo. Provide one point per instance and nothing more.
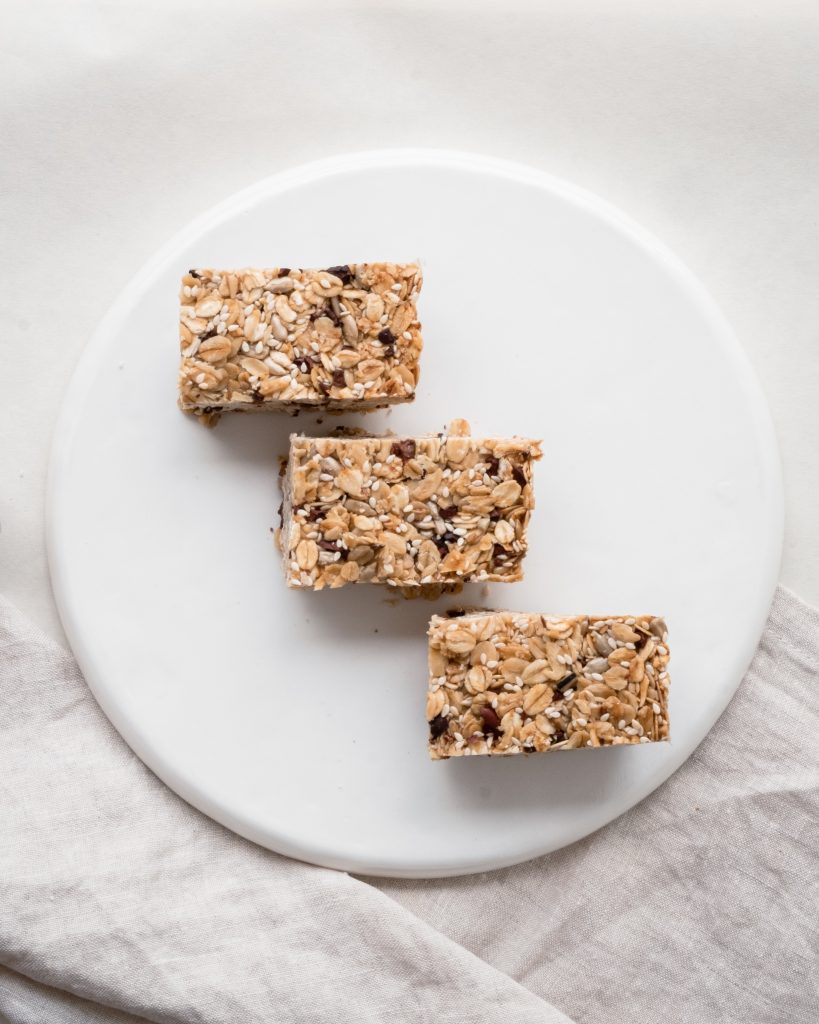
(114, 890)
(701, 903)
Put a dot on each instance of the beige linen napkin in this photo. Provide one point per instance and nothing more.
(118, 902)
(699, 906)
(116, 891)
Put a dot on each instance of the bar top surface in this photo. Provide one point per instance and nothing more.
(513, 682)
(431, 510)
(347, 337)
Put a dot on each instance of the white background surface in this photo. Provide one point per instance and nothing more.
(177, 617)
(120, 122)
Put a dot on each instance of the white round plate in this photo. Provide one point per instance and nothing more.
(297, 719)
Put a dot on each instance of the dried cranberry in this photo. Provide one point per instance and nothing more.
(404, 449)
(491, 721)
(343, 272)
(438, 726)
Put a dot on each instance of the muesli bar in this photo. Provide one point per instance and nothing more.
(438, 510)
(511, 682)
(347, 337)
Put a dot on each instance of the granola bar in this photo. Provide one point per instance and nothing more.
(343, 338)
(410, 512)
(512, 682)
